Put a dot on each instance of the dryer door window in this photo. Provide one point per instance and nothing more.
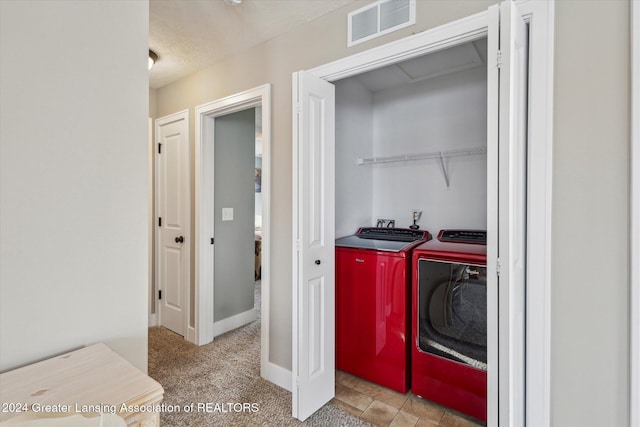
(452, 311)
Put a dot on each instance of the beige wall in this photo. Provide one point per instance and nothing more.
(73, 210)
(152, 103)
(590, 277)
(310, 45)
(590, 363)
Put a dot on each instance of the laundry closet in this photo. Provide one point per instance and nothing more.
(418, 108)
(410, 157)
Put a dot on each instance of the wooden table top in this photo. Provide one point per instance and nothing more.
(93, 378)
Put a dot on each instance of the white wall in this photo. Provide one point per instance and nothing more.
(443, 113)
(73, 209)
(354, 139)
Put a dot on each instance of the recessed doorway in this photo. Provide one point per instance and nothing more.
(313, 162)
(250, 109)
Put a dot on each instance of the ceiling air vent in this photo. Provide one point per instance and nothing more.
(381, 17)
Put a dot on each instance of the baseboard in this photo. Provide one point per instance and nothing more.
(277, 375)
(233, 322)
(191, 334)
(153, 320)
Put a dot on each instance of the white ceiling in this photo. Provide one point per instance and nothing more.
(447, 61)
(189, 35)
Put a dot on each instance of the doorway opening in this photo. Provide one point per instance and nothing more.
(412, 137)
(217, 213)
(234, 239)
(312, 280)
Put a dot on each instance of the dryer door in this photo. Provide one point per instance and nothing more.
(452, 311)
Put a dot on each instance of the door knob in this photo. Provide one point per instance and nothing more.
(317, 262)
(179, 239)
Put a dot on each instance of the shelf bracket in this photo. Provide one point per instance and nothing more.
(440, 155)
(444, 169)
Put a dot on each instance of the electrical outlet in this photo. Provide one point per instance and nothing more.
(381, 222)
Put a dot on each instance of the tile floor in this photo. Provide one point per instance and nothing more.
(387, 408)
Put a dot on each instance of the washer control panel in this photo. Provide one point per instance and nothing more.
(391, 234)
(463, 236)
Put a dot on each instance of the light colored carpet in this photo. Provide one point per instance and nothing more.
(225, 372)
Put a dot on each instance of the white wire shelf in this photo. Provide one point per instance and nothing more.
(440, 155)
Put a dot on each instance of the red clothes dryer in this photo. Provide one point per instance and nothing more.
(373, 289)
(449, 321)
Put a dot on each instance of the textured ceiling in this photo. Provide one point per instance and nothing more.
(189, 35)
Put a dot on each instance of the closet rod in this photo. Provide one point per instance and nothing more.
(422, 156)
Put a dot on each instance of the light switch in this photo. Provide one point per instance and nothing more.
(227, 214)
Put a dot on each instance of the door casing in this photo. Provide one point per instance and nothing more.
(205, 115)
(153, 309)
(540, 16)
(635, 215)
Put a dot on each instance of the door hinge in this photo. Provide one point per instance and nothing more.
(160, 294)
(498, 267)
(212, 240)
(159, 221)
(159, 148)
(499, 59)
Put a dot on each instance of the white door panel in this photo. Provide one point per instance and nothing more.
(314, 234)
(172, 273)
(172, 192)
(170, 160)
(507, 130)
(513, 169)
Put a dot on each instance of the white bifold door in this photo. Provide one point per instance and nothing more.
(314, 240)
(313, 227)
(507, 193)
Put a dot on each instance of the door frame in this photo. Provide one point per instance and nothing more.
(153, 301)
(635, 217)
(204, 185)
(540, 16)
(180, 115)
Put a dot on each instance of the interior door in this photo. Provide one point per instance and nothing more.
(508, 134)
(314, 241)
(173, 212)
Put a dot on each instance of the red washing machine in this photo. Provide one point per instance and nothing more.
(373, 289)
(449, 321)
